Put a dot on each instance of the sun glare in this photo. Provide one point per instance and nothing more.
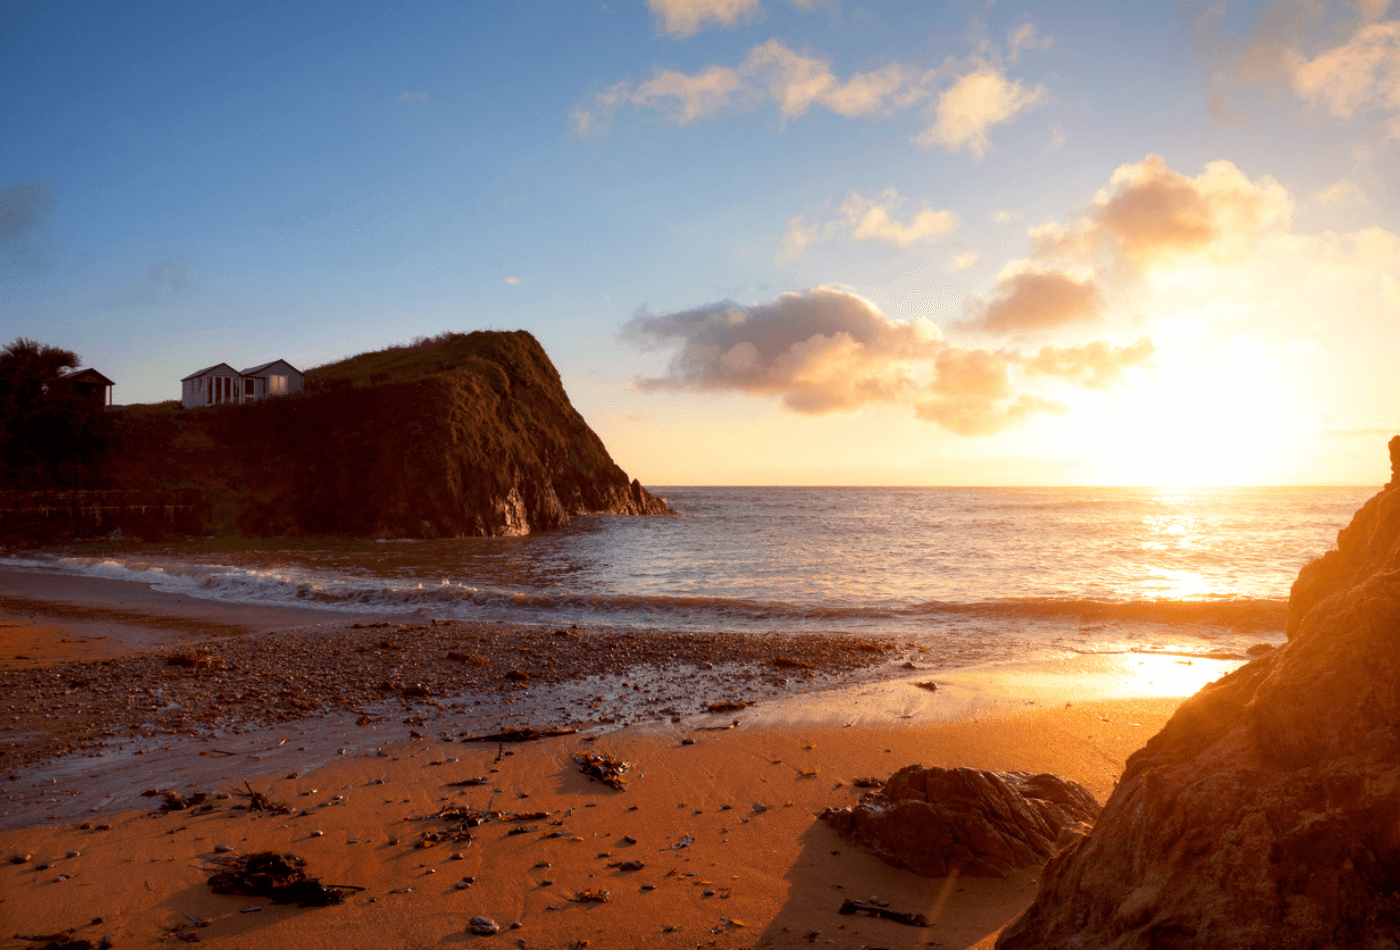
(1205, 419)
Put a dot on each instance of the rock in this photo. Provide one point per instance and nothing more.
(483, 926)
(1264, 812)
(936, 821)
(468, 434)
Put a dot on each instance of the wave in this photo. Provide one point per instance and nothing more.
(360, 594)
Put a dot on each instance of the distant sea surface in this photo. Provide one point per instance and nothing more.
(972, 574)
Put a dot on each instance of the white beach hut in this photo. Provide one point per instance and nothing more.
(221, 383)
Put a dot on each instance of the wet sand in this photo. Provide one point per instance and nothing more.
(721, 815)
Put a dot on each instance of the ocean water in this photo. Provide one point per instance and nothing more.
(971, 574)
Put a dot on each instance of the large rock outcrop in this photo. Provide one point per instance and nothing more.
(936, 821)
(1266, 814)
(471, 434)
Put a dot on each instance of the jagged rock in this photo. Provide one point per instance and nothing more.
(935, 821)
(1264, 814)
(1364, 547)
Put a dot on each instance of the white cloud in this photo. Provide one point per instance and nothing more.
(829, 350)
(965, 260)
(1293, 49)
(683, 18)
(1148, 219)
(870, 219)
(1029, 298)
(977, 101)
(513, 281)
(1025, 37)
(796, 82)
(799, 235)
(687, 97)
(411, 97)
(1150, 215)
(1006, 217)
(1341, 191)
(823, 350)
(1359, 75)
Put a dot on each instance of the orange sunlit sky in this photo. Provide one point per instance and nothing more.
(764, 241)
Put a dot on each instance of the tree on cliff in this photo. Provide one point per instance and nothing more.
(51, 435)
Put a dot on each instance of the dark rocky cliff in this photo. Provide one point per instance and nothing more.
(1266, 814)
(466, 435)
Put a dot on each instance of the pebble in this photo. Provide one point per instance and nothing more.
(72, 854)
(222, 848)
(317, 834)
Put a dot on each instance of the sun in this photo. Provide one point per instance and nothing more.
(1227, 417)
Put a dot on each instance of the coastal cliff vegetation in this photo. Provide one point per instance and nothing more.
(460, 435)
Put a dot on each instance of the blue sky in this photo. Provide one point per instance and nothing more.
(764, 241)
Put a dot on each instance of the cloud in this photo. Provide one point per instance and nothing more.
(1032, 299)
(971, 394)
(1149, 218)
(869, 219)
(1150, 215)
(823, 350)
(1341, 191)
(965, 260)
(797, 82)
(830, 350)
(1006, 217)
(687, 97)
(683, 18)
(1096, 365)
(1025, 37)
(974, 103)
(413, 97)
(799, 235)
(24, 207)
(1292, 49)
(513, 281)
(1360, 75)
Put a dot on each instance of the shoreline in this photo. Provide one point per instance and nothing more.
(759, 870)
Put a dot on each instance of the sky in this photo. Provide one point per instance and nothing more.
(803, 242)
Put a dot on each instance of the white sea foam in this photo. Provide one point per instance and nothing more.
(986, 572)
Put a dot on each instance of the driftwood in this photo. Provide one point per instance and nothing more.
(520, 735)
(849, 906)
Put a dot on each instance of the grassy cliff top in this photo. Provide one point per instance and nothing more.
(430, 356)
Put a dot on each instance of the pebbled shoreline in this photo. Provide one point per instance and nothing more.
(421, 674)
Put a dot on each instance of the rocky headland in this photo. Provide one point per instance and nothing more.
(1264, 812)
(465, 435)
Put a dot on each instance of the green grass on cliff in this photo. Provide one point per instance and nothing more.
(410, 362)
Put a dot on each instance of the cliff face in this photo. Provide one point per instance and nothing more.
(485, 444)
(1265, 813)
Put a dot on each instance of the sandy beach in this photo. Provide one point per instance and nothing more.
(719, 808)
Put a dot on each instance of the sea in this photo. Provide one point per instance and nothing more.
(972, 575)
